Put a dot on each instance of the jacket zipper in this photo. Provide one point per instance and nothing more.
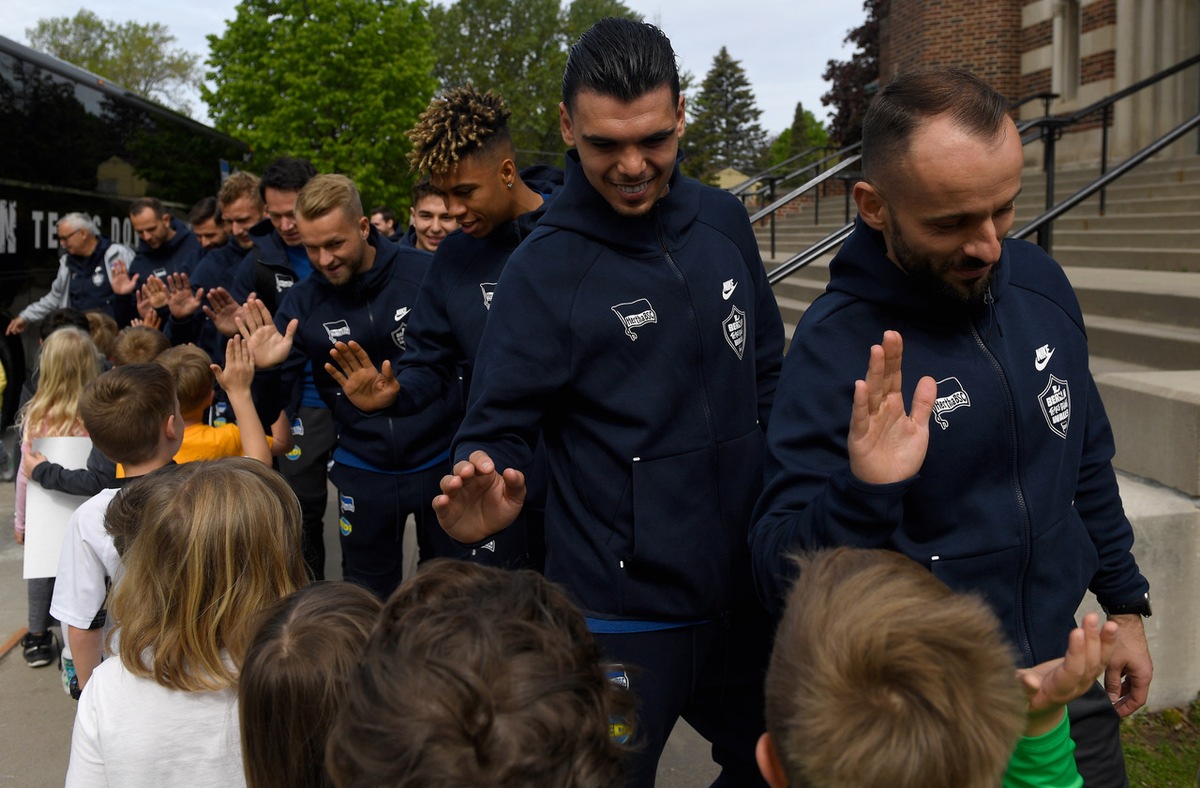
(1022, 634)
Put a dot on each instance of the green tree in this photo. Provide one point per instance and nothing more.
(518, 49)
(130, 54)
(848, 79)
(335, 81)
(805, 133)
(723, 130)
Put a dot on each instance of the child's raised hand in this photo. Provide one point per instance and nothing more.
(1051, 685)
(239, 366)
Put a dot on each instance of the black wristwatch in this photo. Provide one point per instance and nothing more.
(1140, 607)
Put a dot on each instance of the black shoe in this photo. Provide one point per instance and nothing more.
(39, 649)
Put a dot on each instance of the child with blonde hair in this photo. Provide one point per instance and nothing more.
(221, 546)
(69, 362)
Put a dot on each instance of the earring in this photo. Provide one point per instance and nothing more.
(510, 184)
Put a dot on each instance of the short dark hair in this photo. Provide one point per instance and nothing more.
(294, 675)
(286, 175)
(899, 110)
(422, 189)
(385, 212)
(142, 203)
(63, 317)
(621, 58)
(204, 210)
(479, 676)
(125, 408)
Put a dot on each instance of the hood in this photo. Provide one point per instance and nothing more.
(182, 233)
(862, 269)
(581, 209)
(270, 245)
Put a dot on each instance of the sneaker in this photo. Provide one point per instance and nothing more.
(39, 649)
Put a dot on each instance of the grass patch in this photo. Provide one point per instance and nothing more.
(1162, 748)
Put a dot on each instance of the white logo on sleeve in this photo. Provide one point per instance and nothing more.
(727, 289)
(488, 288)
(1042, 357)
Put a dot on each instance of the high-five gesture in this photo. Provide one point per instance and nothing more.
(1051, 685)
(886, 444)
(270, 348)
(223, 311)
(476, 501)
(122, 283)
(367, 388)
(182, 302)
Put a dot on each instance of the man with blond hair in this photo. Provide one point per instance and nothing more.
(362, 288)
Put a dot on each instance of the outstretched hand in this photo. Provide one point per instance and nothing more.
(1051, 685)
(120, 280)
(886, 444)
(238, 373)
(270, 348)
(367, 388)
(182, 302)
(223, 311)
(476, 501)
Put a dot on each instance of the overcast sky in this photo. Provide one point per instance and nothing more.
(783, 45)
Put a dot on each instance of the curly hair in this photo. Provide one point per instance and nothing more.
(460, 122)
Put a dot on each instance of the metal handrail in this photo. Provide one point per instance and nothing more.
(1098, 184)
(762, 176)
(801, 259)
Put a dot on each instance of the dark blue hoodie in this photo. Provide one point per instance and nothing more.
(372, 309)
(452, 307)
(645, 350)
(267, 271)
(1017, 497)
(179, 255)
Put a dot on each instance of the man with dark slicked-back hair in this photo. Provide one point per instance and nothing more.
(634, 330)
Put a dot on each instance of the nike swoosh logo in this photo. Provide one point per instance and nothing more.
(1040, 364)
(726, 292)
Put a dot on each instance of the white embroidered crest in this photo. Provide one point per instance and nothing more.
(955, 397)
(98, 276)
(283, 282)
(735, 331)
(634, 314)
(1055, 400)
(488, 288)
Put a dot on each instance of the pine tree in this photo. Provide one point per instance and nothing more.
(723, 130)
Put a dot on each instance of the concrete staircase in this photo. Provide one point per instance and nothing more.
(1136, 271)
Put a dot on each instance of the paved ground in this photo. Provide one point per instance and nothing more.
(36, 715)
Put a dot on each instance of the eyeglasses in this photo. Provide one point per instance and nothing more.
(62, 239)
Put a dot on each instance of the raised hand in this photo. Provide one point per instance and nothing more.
(1053, 684)
(151, 320)
(270, 348)
(476, 501)
(154, 292)
(239, 367)
(120, 280)
(182, 302)
(223, 311)
(367, 388)
(885, 443)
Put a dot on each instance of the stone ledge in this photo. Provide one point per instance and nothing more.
(1156, 423)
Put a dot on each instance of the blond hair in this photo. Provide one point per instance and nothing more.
(237, 186)
(103, 330)
(69, 362)
(882, 677)
(138, 345)
(459, 123)
(325, 193)
(189, 366)
(225, 547)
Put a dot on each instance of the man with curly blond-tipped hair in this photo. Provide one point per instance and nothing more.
(462, 143)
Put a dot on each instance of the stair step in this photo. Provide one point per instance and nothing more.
(1150, 344)
(1167, 297)
(1176, 259)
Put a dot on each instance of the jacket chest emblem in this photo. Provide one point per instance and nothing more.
(487, 288)
(283, 282)
(1042, 356)
(98, 276)
(951, 397)
(1055, 401)
(633, 315)
(338, 330)
(735, 331)
(401, 317)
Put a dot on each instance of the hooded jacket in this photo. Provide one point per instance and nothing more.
(179, 255)
(266, 271)
(645, 350)
(1016, 499)
(86, 283)
(452, 307)
(372, 309)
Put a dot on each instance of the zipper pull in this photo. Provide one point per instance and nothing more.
(993, 319)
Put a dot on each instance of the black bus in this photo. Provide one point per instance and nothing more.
(72, 141)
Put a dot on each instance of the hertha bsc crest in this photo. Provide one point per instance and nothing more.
(735, 331)
(1055, 400)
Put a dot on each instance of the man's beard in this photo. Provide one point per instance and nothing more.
(931, 275)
